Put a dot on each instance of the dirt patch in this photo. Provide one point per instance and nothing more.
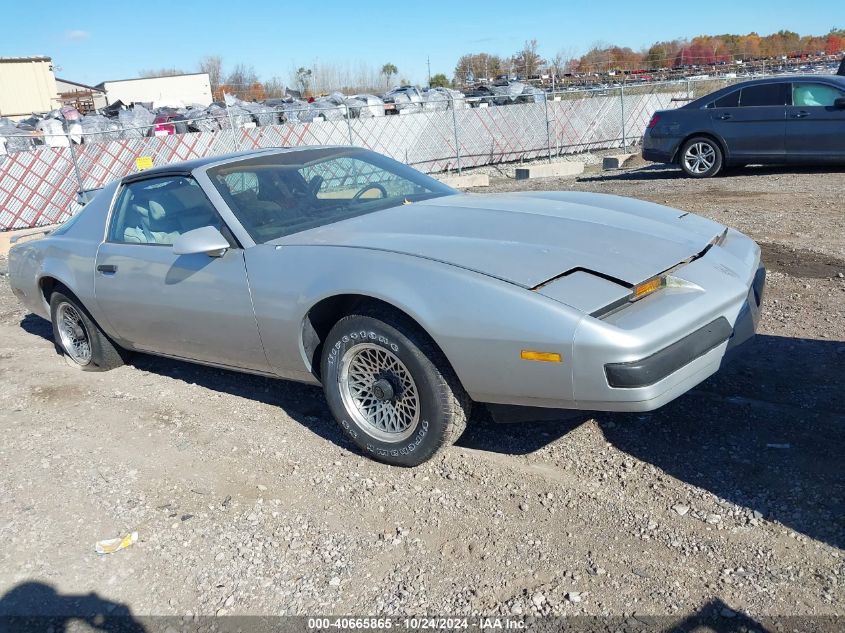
(800, 262)
(730, 196)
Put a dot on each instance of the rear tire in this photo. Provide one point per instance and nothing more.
(391, 389)
(701, 157)
(79, 339)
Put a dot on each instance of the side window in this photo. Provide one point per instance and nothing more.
(159, 210)
(730, 100)
(810, 95)
(763, 95)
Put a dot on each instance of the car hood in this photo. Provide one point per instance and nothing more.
(529, 238)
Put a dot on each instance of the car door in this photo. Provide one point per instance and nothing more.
(752, 122)
(194, 306)
(815, 127)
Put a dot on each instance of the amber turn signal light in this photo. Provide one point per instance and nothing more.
(647, 287)
(548, 357)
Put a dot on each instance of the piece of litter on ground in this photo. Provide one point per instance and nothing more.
(112, 545)
(778, 446)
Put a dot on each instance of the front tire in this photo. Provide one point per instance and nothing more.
(391, 389)
(701, 157)
(78, 338)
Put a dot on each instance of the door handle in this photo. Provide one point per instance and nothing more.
(801, 115)
(725, 117)
(107, 268)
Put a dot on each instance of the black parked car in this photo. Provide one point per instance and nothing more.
(787, 120)
(480, 94)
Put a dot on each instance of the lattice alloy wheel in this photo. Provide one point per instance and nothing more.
(390, 388)
(379, 392)
(73, 334)
(81, 341)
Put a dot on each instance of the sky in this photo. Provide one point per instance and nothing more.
(96, 41)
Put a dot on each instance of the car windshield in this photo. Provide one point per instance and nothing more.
(288, 192)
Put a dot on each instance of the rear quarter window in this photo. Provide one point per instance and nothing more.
(730, 100)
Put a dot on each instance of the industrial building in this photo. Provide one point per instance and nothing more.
(27, 85)
(173, 90)
(80, 96)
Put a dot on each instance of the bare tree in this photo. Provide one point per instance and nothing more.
(302, 79)
(274, 88)
(528, 61)
(559, 64)
(213, 65)
(508, 66)
(242, 75)
(349, 77)
(161, 72)
(388, 70)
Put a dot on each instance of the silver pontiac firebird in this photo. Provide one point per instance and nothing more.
(407, 300)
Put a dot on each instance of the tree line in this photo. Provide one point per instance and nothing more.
(602, 58)
(243, 81)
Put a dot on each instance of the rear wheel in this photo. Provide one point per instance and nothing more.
(79, 339)
(391, 389)
(701, 157)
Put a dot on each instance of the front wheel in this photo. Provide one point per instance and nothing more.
(391, 389)
(701, 157)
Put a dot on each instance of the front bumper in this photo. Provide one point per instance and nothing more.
(652, 369)
(647, 371)
(660, 347)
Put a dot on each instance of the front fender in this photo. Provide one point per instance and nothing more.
(481, 324)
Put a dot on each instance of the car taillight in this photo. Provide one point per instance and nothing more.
(653, 122)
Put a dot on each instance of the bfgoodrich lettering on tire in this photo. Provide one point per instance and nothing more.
(390, 388)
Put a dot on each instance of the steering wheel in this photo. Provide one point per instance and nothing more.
(366, 188)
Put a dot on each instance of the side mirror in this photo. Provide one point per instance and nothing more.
(839, 103)
(203, 240)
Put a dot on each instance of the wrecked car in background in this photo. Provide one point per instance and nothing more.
(59, 128)
(403, 99)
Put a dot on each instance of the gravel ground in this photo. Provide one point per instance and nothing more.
(248, 500)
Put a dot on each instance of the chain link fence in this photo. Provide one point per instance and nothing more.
(39, 184)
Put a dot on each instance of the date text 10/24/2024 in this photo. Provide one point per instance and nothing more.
(416, 624)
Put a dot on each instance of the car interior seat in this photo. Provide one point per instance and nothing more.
(147, 222)
(136, 223)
